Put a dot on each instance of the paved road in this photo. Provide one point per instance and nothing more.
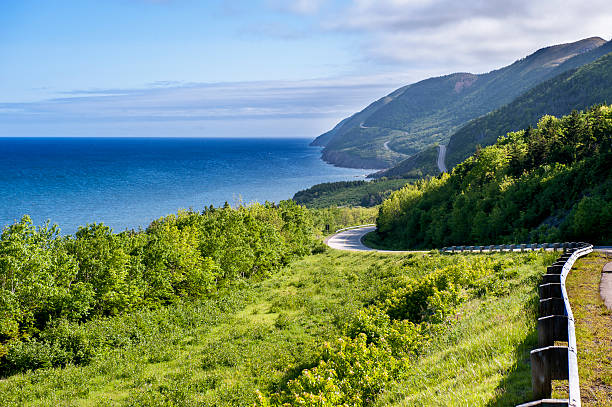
(350, 239)
(442, 158)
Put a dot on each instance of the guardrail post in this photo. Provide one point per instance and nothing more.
(551, 278)
(550, 290)
(552, 328)
(556, 323)
(552, 306)
(547, 364)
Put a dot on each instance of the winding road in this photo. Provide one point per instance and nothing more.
(350, 239)
(442, 158)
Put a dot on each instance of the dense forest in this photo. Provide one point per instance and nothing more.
(351, 193)
(549, 183)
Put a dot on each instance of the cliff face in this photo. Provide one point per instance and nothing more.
(415, 117)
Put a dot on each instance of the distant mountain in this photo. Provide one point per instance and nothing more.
(577, 89)
(417, 116)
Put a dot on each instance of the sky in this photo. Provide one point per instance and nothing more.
(262, 68)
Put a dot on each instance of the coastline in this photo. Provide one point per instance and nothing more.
(127, 183)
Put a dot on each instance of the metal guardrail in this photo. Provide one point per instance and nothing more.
(556, 323)
(510, 247)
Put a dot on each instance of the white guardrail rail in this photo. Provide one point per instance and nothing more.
(555, 324)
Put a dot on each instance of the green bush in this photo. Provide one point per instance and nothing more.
(96, 273)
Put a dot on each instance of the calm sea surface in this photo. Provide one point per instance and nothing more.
(127, 183)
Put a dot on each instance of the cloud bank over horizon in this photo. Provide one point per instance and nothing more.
(245, 68)
(241, 109)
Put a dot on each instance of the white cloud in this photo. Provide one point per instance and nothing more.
(299, 108)
(473, 35)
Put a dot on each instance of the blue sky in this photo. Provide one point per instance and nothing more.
(259, 67)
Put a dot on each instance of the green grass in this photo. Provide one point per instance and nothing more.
(482, 357)
(259, 335)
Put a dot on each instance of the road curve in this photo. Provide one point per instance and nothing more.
(350, 239)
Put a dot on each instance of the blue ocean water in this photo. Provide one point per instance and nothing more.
(128, 182)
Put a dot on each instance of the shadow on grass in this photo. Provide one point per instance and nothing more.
(515, 387)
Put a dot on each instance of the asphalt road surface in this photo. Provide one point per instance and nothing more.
(350, 239)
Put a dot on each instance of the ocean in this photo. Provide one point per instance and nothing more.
(128, 182)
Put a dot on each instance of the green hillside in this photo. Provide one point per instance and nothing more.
(549, 183)
(421, 164)
(348, 193)
(377, 328)
(417, 116)
(576, 89)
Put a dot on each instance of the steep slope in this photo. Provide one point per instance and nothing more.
(548, 183)
(416, 116)
(576, 89)
(572, 89)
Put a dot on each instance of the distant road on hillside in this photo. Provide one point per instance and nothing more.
(442, 158)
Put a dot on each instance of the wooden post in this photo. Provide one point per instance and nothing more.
(552, 306)
(551, 278)
(550, 290)
(552, 328)
(549, 363)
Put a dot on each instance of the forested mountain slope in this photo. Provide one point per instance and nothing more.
(577, 88)
(549, 183)
(417, 116)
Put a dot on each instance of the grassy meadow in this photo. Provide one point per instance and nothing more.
(255, 338)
